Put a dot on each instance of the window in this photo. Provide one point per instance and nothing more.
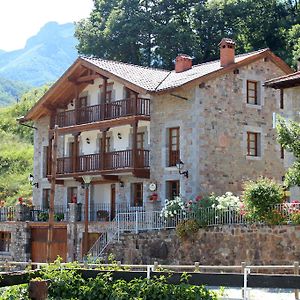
(82, 102)
(140, 140)
(5, 239)
(174, 154)
(72, 194)
(46, 198)
(281, 99)
(173, 189)
(253, 141)
(252, 95)
(137, 194)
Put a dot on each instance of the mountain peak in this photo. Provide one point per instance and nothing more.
(45, 56)
(49, 32)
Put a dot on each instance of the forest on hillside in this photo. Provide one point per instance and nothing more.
(153, 32)
(16, 152)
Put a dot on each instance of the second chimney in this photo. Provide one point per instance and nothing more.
(183, 62)
(227, 52)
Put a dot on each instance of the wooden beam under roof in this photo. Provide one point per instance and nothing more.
(102, 124)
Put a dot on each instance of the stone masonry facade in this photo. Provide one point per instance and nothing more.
(226, 245)
(213, 122)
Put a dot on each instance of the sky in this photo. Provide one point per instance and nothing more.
(21, 19)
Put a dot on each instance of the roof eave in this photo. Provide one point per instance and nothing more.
(31, 114)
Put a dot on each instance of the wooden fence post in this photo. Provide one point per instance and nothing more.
(296, 272)
(197, 266)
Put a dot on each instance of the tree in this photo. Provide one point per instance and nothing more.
(289, 138)
(154, 32)
(16, 149)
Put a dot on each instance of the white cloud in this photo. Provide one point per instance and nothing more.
(20, 19)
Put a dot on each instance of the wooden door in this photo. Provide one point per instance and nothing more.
(113, 201)
(39, 238)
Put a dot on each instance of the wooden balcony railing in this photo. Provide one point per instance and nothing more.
(106, 111)
(117, 160)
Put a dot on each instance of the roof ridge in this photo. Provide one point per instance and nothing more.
(121, 62)
(239, 55)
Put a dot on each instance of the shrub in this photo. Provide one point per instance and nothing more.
(187, 228)
(228, 200)
(295, 218)
(173, 208)
(68, 283)
(260, 197)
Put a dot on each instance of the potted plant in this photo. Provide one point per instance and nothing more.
(153, 197)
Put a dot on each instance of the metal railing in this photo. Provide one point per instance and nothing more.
(104, 212)
(40, 214)
(7, 213)
(155, 220)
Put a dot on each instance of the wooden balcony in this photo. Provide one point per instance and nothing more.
(125, 160)
(101, 112)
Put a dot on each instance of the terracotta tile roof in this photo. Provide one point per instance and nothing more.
(157, 80)
(146, 78)
(284, 81)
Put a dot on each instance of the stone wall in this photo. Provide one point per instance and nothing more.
(214, 120)
(226, 245)
(20, 241)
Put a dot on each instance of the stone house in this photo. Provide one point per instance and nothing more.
(289, 89)
(138, 135)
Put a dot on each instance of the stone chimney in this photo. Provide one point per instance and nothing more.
(227, 55)
(183, 62)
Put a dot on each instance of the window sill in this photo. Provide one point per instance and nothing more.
(173, 168)
(248, 157)
(257, 106)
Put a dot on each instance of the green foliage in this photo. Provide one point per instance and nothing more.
(295, 218)
(67, 283)
(11, 91)
(153, 32)
(18, 292)
(187, 228)
(289, 137)
(10, 114)
(16, 149)
(260, 196)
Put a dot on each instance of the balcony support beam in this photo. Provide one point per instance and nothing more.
(75, 151)
(103, 148)
(134, 144)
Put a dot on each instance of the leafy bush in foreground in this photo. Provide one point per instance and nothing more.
(69, 284)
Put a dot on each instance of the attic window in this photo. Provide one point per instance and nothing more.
(236, 71)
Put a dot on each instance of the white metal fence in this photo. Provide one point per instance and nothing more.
(154, 220)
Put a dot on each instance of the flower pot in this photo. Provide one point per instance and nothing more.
(38, 290)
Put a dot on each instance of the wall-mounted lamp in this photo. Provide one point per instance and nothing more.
(88, 141)
(119, 135)
(179, 166)
(121, 183)
(31, 180)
